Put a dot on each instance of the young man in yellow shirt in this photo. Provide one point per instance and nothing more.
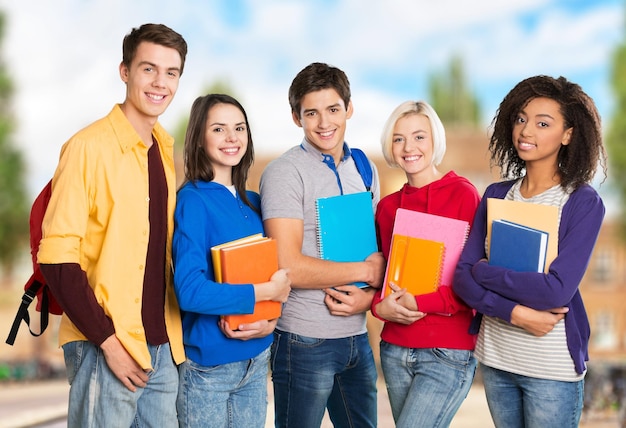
(105, 250)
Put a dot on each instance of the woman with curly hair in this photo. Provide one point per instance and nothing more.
(534, 332)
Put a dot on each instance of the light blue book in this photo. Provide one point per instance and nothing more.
(345, 228)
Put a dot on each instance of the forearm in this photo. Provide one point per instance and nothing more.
(311, 272)
(70, 287)
(307, 271)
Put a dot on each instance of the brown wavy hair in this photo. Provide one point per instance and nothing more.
(577, 161)
(197, 163)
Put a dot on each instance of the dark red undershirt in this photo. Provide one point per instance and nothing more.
(70, 287)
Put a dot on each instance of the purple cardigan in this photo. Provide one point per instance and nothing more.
(495, 291)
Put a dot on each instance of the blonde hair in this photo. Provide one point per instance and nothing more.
(409, 108)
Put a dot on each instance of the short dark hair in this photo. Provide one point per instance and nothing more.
(577, 161)
(197, 163)
(154, 33)
(315, 77)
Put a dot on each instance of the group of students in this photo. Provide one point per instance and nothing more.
(145, 347)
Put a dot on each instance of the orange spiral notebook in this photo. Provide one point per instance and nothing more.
(249, 260)
(449, 231)
(415, 264)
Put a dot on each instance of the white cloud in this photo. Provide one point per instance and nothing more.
(64, 57)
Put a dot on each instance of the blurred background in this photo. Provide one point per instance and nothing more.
(59, 72)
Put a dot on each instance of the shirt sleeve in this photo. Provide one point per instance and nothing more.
(194, 281)
(282, 191)
(69, 285)
(465, 285)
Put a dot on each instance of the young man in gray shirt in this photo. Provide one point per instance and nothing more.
(321, 357)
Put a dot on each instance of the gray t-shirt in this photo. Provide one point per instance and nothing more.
(290, 185)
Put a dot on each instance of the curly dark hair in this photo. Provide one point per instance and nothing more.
(577, 161)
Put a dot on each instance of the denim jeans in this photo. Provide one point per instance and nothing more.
(525, 402)
(310, 375)
(99, 399)
(427, 386)
(228, 395)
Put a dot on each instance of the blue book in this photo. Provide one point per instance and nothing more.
(345, 228)
(517, 247)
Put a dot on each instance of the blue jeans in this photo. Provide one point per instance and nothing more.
(310, 375)
(99, 399)
(521, 401)
(427, 386)
(227, 395)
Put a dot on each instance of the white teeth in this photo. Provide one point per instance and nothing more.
(231, 150)
(326, 134)
(411, 158)
(156, 97)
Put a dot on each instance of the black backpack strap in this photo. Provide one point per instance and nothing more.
(22, 312)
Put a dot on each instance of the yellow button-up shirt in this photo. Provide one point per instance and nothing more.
(100, 221)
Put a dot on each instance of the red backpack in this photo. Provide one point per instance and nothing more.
(36, 284)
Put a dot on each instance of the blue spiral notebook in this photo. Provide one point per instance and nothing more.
(345, 228)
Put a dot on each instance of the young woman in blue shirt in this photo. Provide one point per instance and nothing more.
(223, 382)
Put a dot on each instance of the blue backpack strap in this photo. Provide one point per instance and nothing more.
(363, 166)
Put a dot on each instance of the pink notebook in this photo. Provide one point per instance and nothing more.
(452, 232)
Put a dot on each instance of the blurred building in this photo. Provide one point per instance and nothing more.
(604, 293)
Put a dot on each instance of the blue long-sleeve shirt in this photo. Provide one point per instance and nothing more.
(495, 291)
(207, 214)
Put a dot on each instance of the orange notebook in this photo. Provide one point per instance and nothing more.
(414, 264)
(451, 231)
(215, 252)
(250, 263)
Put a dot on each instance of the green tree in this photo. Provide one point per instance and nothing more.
(13, 199)
(616, 135)
(451, 97)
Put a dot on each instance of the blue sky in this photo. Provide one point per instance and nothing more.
(64, 55)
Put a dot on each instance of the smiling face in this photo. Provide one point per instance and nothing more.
(225, 139)
(539, 132)
(412, 148)
(151, 81)
(322, 117)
